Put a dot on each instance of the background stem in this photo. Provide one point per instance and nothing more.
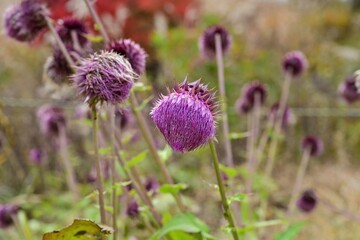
(98, 21)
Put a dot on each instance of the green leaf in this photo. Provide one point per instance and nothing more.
(291, 232)
(230, 172)
(136, 160)
(236, 198)
(143, 104)
(165, 154)
(186, 223)
(172, 188)
(104, 151)
(238, 135)
(80, 230)
(94, 39)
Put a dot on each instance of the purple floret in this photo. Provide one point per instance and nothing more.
(207, 41)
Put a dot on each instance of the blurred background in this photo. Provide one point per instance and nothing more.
(327, 31)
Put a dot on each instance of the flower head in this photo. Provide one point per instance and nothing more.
(133, 209)
(242, 106)
(104, 77)
(307, 201)
(254, 90)
(6, 213)
(36, 155)
(26, 20)
(51, 120)
(186, 116)
(312, 144)
(294, 63)
(72, 31)
(348, 90)
(151, 185)
(57, 68)
(207, 43)
(132, 51)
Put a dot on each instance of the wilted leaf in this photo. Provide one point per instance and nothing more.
(80, 230)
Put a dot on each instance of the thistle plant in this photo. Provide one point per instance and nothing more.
(307, 201)
(186, 118)
(348, 90)
(7, 214)
(104, 77)
(215, 42)
(311, 146)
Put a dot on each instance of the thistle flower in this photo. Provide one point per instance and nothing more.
(287, 117)
(132, 51)
(133, 209)
(104, 77)
(72, 31)
(242, 106)
(6, 213)
(36, 155)
(151, 185)
(24, 21)
(207, 41)
(307, 201)
(186, 116)
(294, 63)
(253, 89)
(348, 90)
(51, 120)
(57, 68)
(313, 144)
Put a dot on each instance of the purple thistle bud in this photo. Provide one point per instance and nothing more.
(294, 63)
(307, 201)
(104, 77)
(207, 41)
(312, 144)
(186, 116)
(132, 51)
(73, 31)
(151, 185)
(26, 20)
(133, 209)
(348, 90)
(105, 169)
(286, 118)
(36, 155)
(6, 213)
(242, 106)
(57, 68)
(255, 90)
(51, 120)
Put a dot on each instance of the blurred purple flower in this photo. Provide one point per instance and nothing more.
(57, 68)
(242, 106)
(207, 41)
(286, 118)
(51, 120)
(24, 21)
(132, 51)
(104, 77)
(253, 89)
(313, 144)
(106, 171)
(307, 201)
(294, 63)
(73, 31)
(82, 111)
(133, 209)
(348, 90)
(123, 117)
(7, 211)
(36, 156)
(186, 116)
(151, 185)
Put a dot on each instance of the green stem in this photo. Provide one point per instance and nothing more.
(98, 21)
(145, 131)
(98, 166)
(227, 212)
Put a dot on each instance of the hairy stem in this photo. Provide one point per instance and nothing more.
(99, 178)
(224, 116)
(224, 201)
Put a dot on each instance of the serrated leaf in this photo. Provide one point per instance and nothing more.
(136, 160)
(172, 188)
(230, 172)
(186, 223)
(291, 232)
(80, 229)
